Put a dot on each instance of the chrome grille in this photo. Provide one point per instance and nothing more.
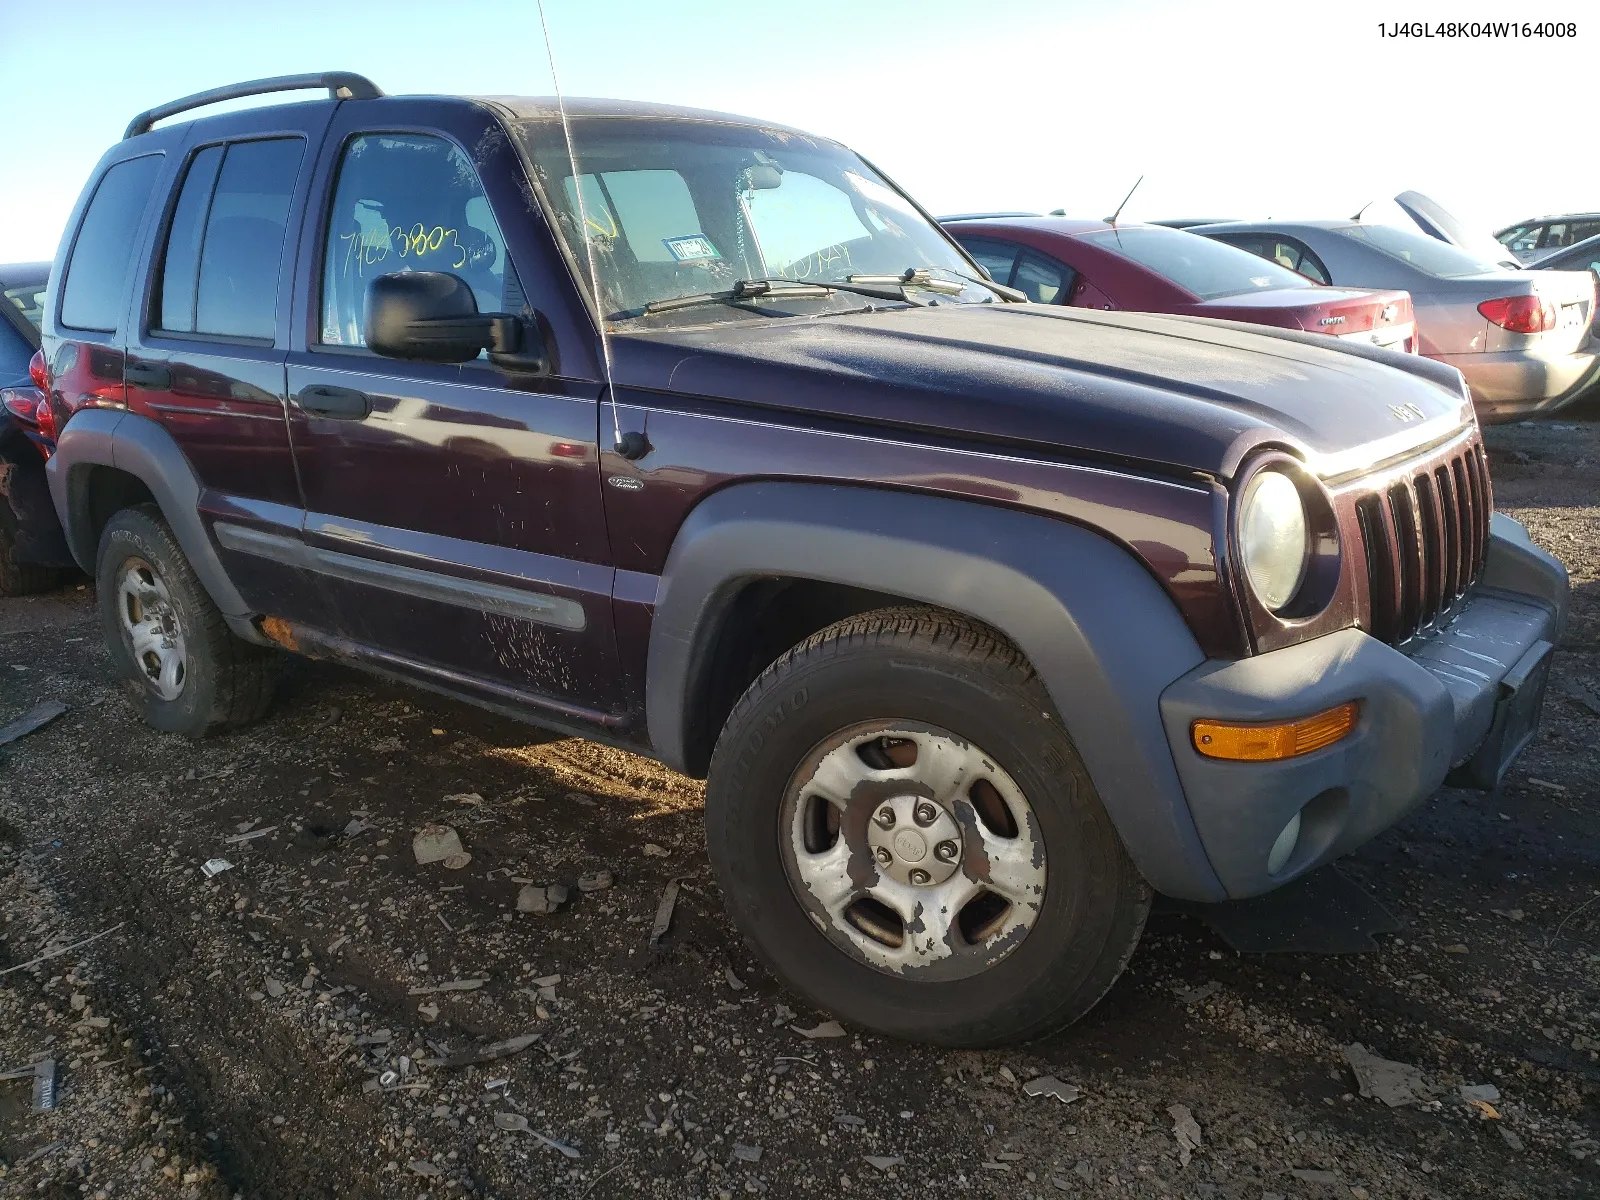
(1425, 537)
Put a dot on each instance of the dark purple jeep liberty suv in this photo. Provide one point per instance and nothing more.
(982, 619)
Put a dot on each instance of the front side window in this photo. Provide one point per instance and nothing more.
(102, 256)
(221, 266)
(406, 202)
(669, 209)
(1206, 268)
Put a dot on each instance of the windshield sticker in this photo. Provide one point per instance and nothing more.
(695, 247)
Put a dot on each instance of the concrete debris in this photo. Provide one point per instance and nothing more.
(734, 981)
(1186, 1130)
(542, 900)
(782, 1014)
(1195, 995)
(885, 1164)
(663, 921)
(1394, 1083)
(1049, 1085)
(35, 719)
(1471, 1092)
(828, 1029)
(439, 844)
(41, 1152)
(596, 881)
(466, 799)
(422, 1166)
(356, 827)
(454, 985)
(547, 981)
(651, 850)
(428, 1012)
(749, 1154)
(1510, 1139)
(213, 867)
(487, 1053)
(849, 1120)
(275, 988)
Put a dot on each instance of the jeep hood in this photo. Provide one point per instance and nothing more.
(1187, 393)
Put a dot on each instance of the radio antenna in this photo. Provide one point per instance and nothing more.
(1112, 219)
(583, 225)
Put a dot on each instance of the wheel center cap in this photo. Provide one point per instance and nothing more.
(910, 846)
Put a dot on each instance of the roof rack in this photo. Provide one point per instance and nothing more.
(341, 85)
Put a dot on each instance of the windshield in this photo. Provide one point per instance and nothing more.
(1197, 264)
(676, 208)
(28, 300)
(1429, 255)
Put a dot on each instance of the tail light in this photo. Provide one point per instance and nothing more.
(37, 372)
(23, 404)
(45, 417)
(1520, 314)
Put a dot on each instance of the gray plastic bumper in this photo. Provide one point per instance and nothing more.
(1466, 697)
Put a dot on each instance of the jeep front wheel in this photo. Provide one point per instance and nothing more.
(908, 837)
(186, 670)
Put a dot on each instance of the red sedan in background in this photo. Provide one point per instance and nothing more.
(1151, 268)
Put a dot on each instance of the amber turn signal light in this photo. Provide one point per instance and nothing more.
(1268, 743)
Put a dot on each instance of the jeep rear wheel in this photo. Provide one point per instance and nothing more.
(909, 839)
(186, 670)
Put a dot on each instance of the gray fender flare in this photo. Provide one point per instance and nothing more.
(107, 437)
(1103, 635)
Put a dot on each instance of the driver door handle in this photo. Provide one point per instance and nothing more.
(340, 404)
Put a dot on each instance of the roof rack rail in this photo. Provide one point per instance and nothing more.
(341, 85)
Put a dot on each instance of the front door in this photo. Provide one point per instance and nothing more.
(453, 511)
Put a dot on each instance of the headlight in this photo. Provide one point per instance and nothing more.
(1274, 543)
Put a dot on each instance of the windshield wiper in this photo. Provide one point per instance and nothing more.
(922, 277)
(751, 289)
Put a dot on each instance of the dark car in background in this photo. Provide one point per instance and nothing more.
(1520, 337)
(32, 548)
(1537, 237)
(1152, 268)
(982, 619)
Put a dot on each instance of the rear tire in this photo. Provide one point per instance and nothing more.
(964, 721)
(19, 578)
(185, 669)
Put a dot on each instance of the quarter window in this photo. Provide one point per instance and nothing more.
(995, 257)
(97, 272)
(1045, 282)
(221, 267)
(406, 202)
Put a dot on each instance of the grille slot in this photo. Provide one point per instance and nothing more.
(1425, 538)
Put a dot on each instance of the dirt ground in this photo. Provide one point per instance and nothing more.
(275, 1031)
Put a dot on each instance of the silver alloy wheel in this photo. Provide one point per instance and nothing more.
(150, 622)
(913, 850)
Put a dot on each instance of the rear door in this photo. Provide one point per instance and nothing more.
(206, 357)
(453, 511)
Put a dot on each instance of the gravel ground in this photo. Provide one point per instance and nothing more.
(288, 1027)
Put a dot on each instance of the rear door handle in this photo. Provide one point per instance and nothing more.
(341, 404)
(152, 377)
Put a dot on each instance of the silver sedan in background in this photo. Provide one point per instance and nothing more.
(1521, 338)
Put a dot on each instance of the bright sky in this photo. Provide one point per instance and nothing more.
(1231, 109)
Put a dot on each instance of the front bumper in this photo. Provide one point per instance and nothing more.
(1457, 698)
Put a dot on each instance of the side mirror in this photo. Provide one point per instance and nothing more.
(432, 316)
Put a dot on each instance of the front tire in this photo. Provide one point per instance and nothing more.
(185, 669)
(908, 837)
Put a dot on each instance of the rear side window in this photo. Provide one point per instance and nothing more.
(220, 270)
(102, 256)
(1044, 281)
(406, 202)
